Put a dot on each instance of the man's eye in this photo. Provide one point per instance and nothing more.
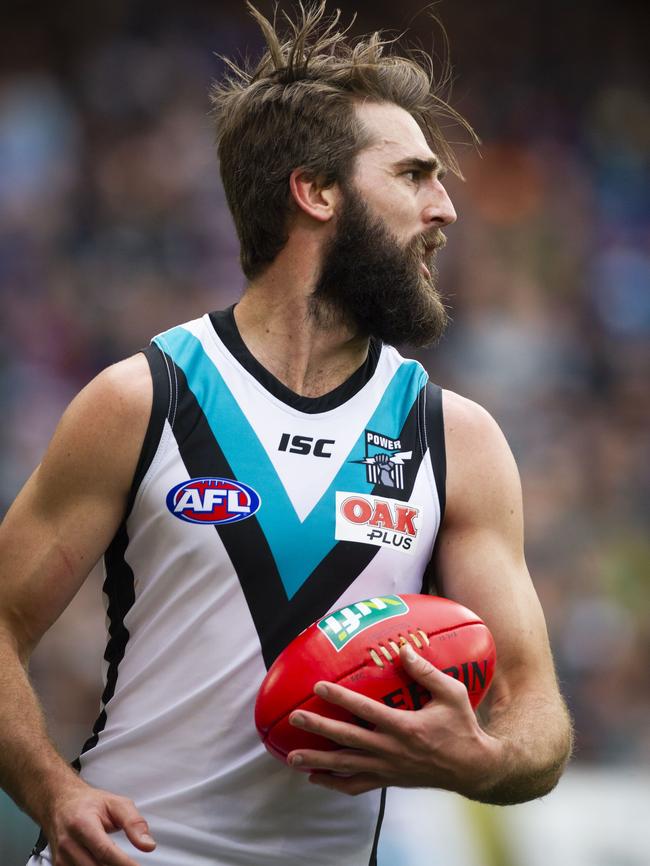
(413, 175)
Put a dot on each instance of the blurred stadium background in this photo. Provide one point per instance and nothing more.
(113, 226)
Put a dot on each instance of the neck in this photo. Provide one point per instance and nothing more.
(310, 355)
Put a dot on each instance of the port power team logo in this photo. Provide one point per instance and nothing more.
(384, 460)
(377, 520)
(342, 625)
(213, 501)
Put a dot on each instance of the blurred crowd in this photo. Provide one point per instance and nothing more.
(113, 226)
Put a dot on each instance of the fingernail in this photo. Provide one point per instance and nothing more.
(321, 690)
(147, 839)
(297, 719)
(410, 653)
(296, 760)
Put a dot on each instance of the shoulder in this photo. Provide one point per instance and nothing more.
(471, 432)
(121, 394)
(466, 420)
(127, 382)
(103, 428)
(128, 385)
(481, 470)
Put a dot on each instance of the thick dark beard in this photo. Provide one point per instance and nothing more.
(375, 286)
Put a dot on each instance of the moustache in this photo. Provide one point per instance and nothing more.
(426, 246)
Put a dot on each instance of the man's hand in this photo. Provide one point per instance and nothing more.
(81, 820)
(442, 745)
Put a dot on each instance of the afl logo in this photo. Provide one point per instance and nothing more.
(213, 501)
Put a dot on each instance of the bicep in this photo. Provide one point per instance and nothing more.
(479, 571)
(67, 513)
(480, 556)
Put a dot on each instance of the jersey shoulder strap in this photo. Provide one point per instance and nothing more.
(163, 408)
(434, 431)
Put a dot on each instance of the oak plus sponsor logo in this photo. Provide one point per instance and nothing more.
(384, 460)
(377, 520)
(213, 501)
(342, 625)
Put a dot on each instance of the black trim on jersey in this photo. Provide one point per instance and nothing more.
(435, 434)
(40, 845)
(119, 585)
(119, 588)
(278, 619)
(223, 321)
(380, 820)
(159, 411)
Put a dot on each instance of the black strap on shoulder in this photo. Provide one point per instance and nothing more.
(434, 427)
(434, 431)
(162, 407)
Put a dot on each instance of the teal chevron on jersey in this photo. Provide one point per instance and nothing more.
(297, 546)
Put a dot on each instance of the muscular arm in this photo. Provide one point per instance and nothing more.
(480, 563)
(57, 529)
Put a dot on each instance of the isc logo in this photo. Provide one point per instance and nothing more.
(305, 445)
(213, 501)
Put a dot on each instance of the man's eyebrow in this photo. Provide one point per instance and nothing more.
(430, 166)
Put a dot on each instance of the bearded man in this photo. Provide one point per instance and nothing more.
(206, 470)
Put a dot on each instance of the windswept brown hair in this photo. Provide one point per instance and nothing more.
(295, 109)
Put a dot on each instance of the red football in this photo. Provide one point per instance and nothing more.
(358, 647)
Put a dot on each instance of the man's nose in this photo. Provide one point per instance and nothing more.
(440, 210)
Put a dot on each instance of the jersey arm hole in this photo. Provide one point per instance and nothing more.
(434, 434)
(161, 410)
(434, 431)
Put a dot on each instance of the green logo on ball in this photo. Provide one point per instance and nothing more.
(342, 625)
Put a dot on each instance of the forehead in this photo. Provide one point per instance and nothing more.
(394, 134)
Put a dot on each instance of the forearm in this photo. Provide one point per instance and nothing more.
(31, 769)
(534, 740)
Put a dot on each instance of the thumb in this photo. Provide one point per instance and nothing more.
(125, 816)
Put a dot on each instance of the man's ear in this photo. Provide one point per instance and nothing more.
(314, 199)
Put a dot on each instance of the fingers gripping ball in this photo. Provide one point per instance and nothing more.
(358, 647)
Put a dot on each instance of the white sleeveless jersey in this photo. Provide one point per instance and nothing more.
(237, 537)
